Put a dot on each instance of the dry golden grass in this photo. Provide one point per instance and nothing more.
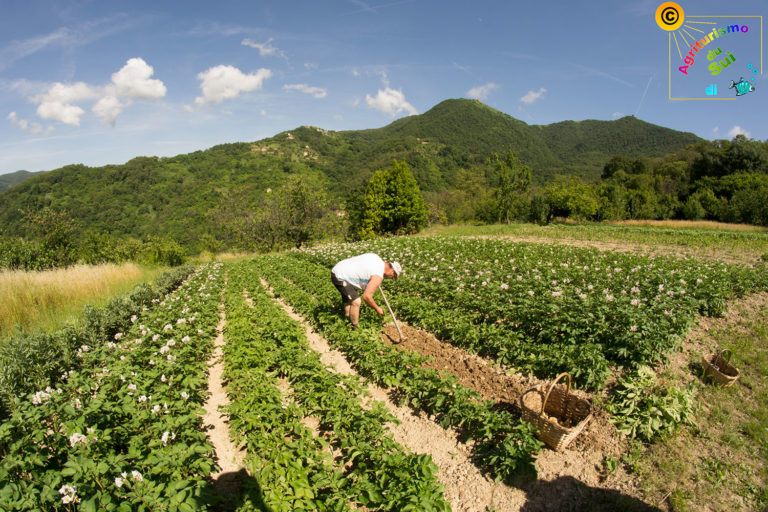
(689, 224)
(49, 298)
(234, 256)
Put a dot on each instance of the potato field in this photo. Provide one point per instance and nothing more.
(120, 428)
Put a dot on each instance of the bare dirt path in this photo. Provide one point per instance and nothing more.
(562, 473)
(466, 488)
(229, 457)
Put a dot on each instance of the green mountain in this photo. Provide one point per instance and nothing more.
(583, 145)
(11, 179)
(178, 196)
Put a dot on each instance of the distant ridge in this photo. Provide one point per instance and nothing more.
(11, 179)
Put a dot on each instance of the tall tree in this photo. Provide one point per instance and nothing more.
(294, 214)
(303, 206)
(514, 193)
(392, 204)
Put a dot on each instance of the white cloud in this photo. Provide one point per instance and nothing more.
(531, 96)
(317, 92)
(27, 126)
(265, 49)
(58, 102)
(226, 82)
(390, 102)
(481, 92)
(738, 130)
(67, 114)
(133, 81)
(716, 131)
(108, 108)
(311, 65)
(63, 93)
(617, 115)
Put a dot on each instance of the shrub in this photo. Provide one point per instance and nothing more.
(642, 407)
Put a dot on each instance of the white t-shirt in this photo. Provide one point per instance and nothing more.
(358, 270)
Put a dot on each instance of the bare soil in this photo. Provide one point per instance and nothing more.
(466, 487)
(228, 480)
(566, 478)
(572, 479)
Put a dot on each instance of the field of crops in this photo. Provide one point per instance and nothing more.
(122, 429)
(546, 309)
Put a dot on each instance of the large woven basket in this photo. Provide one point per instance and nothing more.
(719, 369)
(559, 416)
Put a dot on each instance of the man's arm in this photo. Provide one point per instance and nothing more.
(373, 284)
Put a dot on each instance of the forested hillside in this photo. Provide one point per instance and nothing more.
(181, 197)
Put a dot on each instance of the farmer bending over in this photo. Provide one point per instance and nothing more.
(365, 272)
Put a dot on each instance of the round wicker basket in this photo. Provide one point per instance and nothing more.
(559, 416)
(718, 368)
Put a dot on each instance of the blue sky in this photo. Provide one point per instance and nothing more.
(100, 82)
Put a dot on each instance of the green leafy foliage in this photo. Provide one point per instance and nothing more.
(122, 430)
(292, 465)
(513, 193)
(35, 361)
(550, 309)
(643, 408)
(719, 180)
(392, 205)
(10, 179)
(180, 198)
(504, 442)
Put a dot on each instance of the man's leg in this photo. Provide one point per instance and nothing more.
(354, 311)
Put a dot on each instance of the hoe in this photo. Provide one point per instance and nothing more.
(391, 313)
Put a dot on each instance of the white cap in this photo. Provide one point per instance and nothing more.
(397, 268)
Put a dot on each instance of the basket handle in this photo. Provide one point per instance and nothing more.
(721, 355)
(552, 386)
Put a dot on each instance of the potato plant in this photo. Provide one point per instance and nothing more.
(123, 432)
(548, 309)
(292, 464)
(503, 443)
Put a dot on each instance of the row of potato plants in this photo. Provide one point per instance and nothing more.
(551, 308)
(32, 361)
(124, 431)
(352, 461)
(504, 444)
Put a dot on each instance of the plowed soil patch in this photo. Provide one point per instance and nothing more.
(574, 470)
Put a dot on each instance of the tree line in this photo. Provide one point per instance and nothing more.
(720, 180)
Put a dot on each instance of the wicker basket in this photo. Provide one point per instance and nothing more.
(719, 369)
(542, 410)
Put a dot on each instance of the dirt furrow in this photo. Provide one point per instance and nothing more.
(229, 457)
(582, 461)
(466, 488)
